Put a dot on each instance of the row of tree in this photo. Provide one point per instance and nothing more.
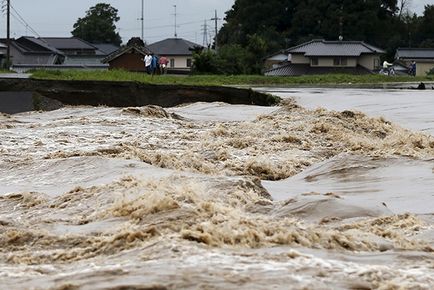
(255, 28)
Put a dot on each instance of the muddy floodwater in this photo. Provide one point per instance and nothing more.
(332, 189)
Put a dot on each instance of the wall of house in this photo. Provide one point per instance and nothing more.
(180, 62)
(299, 59)
(422, 67)
(129, 61)
(83, 59)
(329, 62)
(368, 61)
(19, 58)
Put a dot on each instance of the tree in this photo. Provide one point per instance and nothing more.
(98, 26)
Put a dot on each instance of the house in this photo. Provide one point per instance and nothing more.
(424, 58)
(3, 53)
(322, 57)
(54, 53)
(129, 57)
(178, 51)
(76, 50)
(33, 51)
(276, 59)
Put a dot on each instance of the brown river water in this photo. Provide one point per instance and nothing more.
(333, 189)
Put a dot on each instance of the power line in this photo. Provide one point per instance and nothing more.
(24, 22)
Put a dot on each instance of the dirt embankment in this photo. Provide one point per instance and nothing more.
(127, 94)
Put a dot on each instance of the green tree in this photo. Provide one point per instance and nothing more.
(98, 26)
(426, 28)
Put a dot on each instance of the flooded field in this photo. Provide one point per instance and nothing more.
(211, 196)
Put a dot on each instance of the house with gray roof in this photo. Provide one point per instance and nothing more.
(54, 53)
(424, 58)
(178, 51)
(321, 57)
(77, 51)
(33, 51)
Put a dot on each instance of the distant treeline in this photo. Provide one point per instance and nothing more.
(256, 28)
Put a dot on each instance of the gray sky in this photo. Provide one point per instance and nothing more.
(56, 17)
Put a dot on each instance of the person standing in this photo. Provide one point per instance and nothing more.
(163, 65)
(148, 61)
(413, 68)
(154, 64)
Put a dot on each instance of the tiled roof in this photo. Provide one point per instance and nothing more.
(142, 50)
(173, 46)
(106, 48)
(334, 48)
(28, 44)
(289, 69)
(416, 53)
(62, 43)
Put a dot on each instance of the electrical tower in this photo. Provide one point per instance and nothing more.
(205, 34)
(215, 19)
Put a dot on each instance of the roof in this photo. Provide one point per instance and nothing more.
(415, 53)
(64, 43)
(142, 50)
(321, 47)
(106, 48)
(28, 44)
(290, 69)
(173, 46)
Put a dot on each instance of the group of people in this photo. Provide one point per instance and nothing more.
(154, 64)
(389, 70)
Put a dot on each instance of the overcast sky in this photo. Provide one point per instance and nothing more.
(56, 17)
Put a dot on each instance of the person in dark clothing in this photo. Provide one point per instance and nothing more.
(154, 64)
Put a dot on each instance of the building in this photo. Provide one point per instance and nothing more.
(3, 54)
(54, 53)
(424, 58)
(178, 51)
(322, 57)
(76, 50)
(33, 51)
(129, 58)
(276, 59)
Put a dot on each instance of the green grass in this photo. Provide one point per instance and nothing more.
(6, 71)
(218, 80)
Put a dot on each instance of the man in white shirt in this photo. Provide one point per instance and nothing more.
(148, 61)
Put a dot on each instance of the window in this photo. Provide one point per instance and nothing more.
(314, 61)
(340, 61)
(172, 62)
(343, 61)
(188, 62)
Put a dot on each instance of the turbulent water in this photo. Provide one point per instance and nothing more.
(217, 196)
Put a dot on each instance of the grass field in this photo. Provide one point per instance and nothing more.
(204, 80)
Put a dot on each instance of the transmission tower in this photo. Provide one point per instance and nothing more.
(205, 34)
(215, 19)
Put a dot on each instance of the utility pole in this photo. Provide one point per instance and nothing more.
(215, 19)
(176, 34)
(143, 20)
(8, 33)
